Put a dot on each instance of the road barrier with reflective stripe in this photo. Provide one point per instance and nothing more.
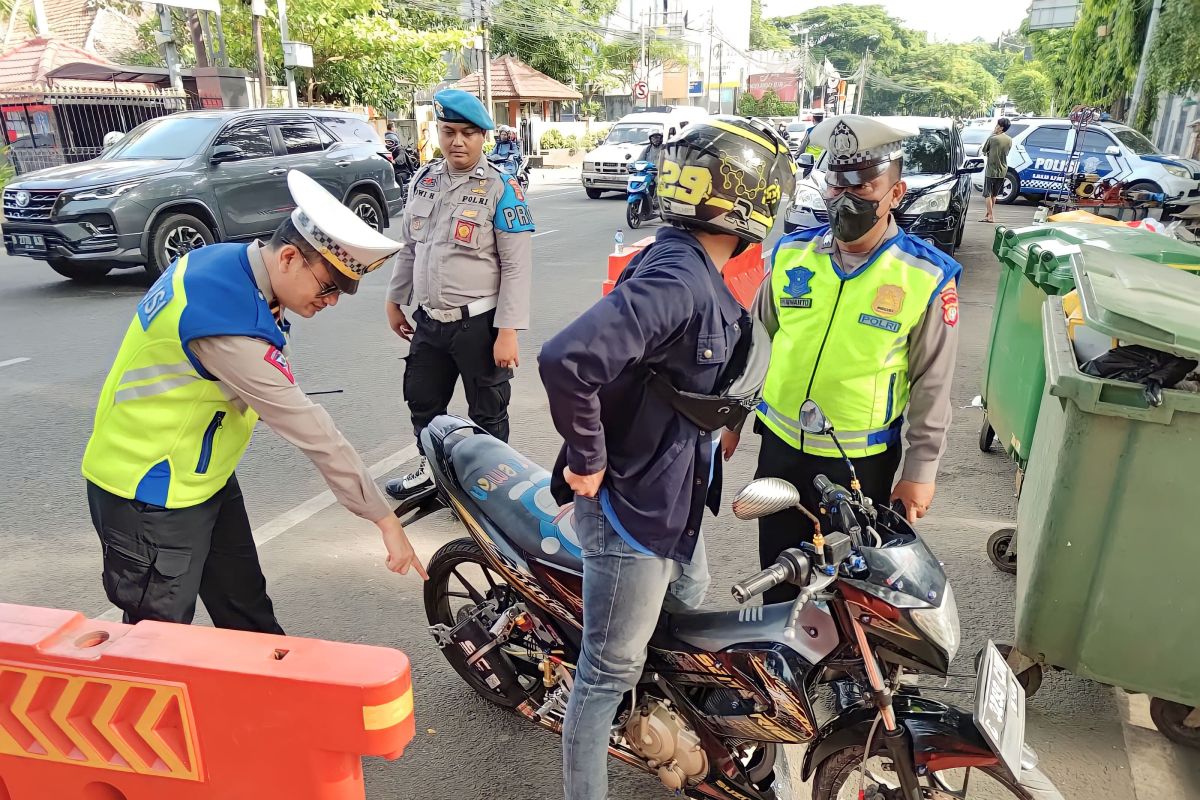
(743, 273)
(92, 709)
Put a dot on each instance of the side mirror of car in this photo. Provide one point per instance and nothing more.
(806, 162)
(971, 168)
(223, 153)
(1112, 150)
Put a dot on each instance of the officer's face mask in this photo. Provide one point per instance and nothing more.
(852, 217)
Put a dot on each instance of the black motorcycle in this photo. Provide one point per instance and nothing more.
(722, 690)
(405, 163)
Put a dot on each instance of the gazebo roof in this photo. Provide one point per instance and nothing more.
(513, 79)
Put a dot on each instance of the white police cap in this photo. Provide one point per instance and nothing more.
(860, 148)
(352, 247)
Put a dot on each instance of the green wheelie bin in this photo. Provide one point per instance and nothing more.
(1106, 586)
(1036, 263)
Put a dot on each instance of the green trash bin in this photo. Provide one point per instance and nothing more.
(1106, 585)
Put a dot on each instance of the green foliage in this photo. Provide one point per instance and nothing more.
(842, 34)
(769, 106)
(1051, 49)
(592, 140)
(554, 140)
(1101, 69)
(1029, 87)
(765, 35)
(1175, 57)
(591, 110)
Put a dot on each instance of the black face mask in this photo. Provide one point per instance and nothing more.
(851, 217)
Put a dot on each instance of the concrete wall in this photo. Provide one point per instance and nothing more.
(1173, 131)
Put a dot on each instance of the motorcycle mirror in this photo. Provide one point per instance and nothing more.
(813, 419)
(764, 497)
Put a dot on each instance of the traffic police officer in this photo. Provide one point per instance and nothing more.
(864, 320)
(467, 266)
(203, 359)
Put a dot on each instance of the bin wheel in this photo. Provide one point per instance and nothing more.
(986, 436)
(1030, 678)
(1177, 722)
(1002, 551)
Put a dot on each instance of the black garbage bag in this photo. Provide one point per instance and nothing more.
(1136, 364)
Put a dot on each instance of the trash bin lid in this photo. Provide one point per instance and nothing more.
(1138, 301)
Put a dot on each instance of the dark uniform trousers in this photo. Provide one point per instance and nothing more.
(778, 459)
(442, 351)
(158, 560)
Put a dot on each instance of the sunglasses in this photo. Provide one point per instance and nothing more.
(323, 289)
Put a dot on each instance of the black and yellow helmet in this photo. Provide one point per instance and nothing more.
(726, 175)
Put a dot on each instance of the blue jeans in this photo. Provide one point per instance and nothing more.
(623, 594)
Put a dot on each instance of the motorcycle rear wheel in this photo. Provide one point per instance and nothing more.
(460, 578)
(633, 214)
(838, 778)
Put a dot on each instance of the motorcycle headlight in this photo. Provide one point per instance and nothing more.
(933, 201)
(807, 197)
(105, 192)
(1177, 171)
(941, 624)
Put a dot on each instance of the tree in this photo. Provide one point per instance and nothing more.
(1029, 88)
(842, 33)
(1050, 49)
(764, 35)
(769, 105)
(1175, 57)
(563, 38)
(1105, 49)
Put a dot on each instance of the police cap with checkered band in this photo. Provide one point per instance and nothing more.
(860, 148)
(350, 246)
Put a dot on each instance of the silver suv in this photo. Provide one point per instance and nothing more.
(179, 182)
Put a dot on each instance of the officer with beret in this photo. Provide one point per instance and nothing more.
(204, 358)
(863, 319)
(467, 266)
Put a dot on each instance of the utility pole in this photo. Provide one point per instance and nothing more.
(801, 103)
(720, 77)
(487, 58)
(166, 40)
(708, 64)
(283, 36)
(258, 8)
(862, 83)
(1139, 86)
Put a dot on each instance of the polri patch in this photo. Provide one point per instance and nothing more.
(279, 361)
(872, 321)
(889, 299)
(464, 231)
(949, 299)
(795, 302)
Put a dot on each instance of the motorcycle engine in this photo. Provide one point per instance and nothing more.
(666, 741)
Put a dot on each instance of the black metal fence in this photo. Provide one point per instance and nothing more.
(53, 127)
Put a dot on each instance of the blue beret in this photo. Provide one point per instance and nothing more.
(455, 105)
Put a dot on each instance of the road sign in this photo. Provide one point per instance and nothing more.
(640, 90)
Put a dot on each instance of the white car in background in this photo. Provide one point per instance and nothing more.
(605, 169)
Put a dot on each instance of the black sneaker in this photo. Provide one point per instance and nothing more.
(413, 483)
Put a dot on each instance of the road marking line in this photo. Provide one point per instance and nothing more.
(543, 233)
(12, 361)
(310, 507)
(536, 195)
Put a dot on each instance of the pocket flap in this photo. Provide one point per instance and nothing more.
(710, 349)
(172, 563)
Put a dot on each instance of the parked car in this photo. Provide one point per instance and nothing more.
(939, 185)
(185, 180)
(1042, 147)
(605, 168)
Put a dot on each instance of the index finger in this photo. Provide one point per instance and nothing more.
(416, 562)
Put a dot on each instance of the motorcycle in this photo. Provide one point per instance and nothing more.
(405, 163)
(723, 690)
(640, 203)
(513, 165)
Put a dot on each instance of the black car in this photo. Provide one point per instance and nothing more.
(939, 185)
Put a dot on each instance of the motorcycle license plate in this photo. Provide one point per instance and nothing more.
(1000, 709)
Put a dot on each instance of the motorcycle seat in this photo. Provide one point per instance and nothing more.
(514, 494)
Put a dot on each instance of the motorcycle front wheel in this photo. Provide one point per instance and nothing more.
(839, 778)
(633, 214)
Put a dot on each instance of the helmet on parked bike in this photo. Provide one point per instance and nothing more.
(726, 174)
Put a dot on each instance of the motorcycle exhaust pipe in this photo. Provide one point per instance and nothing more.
(491, 666)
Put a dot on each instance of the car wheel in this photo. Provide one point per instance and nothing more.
(962, 226)
(84, 273)
(593, 194)
(173, 237)
(1144, 186)
(1011, 190)
(366, 208)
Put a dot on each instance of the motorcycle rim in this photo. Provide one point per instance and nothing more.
(839, 778)
(461, 578)
(633, 214)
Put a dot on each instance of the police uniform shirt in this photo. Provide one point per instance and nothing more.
(466, 236)
(264, 381)
(933, 349)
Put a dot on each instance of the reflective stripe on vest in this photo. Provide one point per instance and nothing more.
(843, 341)
(163, 433)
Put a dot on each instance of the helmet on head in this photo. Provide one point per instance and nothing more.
(656, 135)
(726, 174)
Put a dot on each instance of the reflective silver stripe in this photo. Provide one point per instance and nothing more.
(151, 389)
(843, 436)
(154, 371)
(895, 351)
(916, 262)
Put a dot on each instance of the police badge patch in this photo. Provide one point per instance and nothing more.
(798, 278)
(889, 300)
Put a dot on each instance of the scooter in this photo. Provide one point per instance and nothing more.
(514, 165)
(640, 204)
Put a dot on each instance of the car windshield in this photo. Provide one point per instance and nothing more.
(975, 135)
(797, 127)
(1139, 144)
(165, 138)
(632, 133)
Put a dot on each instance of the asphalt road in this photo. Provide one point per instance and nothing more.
(324, 567)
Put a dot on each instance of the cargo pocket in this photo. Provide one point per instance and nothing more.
(126, 569)
(162, 596)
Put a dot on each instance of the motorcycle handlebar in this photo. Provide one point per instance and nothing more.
(833, 496)
(791, 566)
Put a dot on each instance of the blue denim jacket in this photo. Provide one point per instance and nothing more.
(670, 310)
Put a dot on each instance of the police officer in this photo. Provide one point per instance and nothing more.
(204, 358)
(864, 322)
(467, 266)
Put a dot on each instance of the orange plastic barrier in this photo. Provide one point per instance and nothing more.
(93, 710)
(742, 274)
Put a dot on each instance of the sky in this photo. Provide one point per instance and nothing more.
(946, 20)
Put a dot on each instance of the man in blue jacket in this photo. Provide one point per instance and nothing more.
(640, 472)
